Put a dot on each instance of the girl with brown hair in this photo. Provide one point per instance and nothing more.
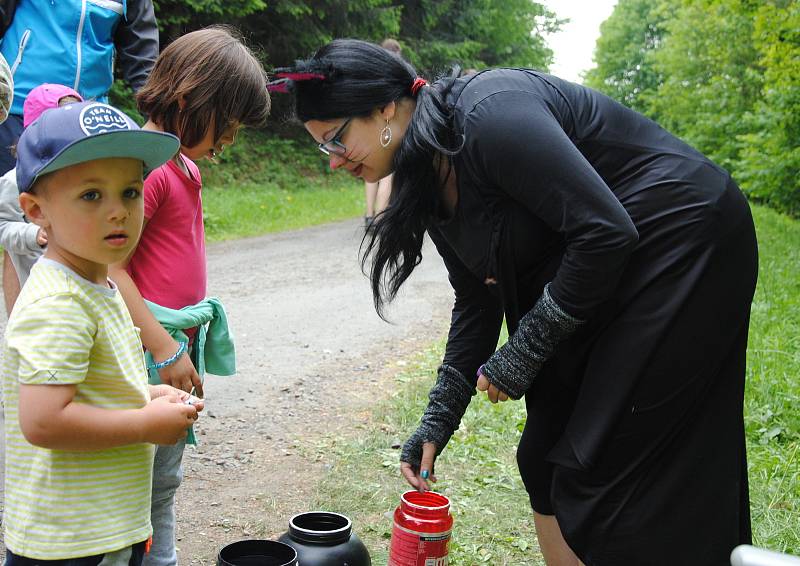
(205, 86)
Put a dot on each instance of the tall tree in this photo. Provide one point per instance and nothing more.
(294, 29)
(770, 162)
(722, 74)
(476, 33)
(711, 75)
(624, 67)
(286, 29)
(434, 33)
(176, 17)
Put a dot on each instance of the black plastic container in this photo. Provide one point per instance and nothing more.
(325, 539)
(257, 553)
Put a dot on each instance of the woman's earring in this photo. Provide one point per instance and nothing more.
(386, 135)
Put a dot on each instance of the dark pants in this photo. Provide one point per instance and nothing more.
(14, 560)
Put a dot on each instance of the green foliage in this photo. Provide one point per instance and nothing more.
(435, 34)
(773, 391)
(710, 76)
(476, 33)
(284, 30)
(624, 52)
(722, 74)
(770, 159)
(264, 157)
(290, 30)
(266, 183)
(176, 17)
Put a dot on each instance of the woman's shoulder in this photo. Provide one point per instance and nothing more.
(472, 89)
(492, 88)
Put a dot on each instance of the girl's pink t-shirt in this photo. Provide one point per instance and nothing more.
(169, 264)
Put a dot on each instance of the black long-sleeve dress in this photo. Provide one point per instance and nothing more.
(635, 435)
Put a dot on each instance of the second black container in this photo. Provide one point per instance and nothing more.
(257, 553)
(322, 538)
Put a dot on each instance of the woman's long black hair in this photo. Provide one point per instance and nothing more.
(353, 78)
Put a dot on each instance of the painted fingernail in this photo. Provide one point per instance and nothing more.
(424, 475)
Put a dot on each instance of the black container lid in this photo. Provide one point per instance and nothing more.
(320, 527)
(256, 551)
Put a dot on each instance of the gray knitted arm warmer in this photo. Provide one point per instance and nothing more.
(448, 401)
(513, 367)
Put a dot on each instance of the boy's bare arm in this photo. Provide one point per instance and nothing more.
(50, 418)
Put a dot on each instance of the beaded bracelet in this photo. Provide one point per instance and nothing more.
(170, 360)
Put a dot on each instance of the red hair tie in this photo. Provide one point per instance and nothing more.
(418, 83)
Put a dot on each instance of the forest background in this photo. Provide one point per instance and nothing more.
(722, 74)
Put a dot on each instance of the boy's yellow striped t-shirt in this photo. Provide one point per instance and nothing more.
(64, 504)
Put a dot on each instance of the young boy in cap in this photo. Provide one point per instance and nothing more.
(81, 419)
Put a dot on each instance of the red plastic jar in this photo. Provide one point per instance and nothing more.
(421, 530)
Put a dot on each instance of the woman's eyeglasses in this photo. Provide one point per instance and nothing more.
(334, 145)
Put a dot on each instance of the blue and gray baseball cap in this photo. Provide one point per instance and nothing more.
(85, 131)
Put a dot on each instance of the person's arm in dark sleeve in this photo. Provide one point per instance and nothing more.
(518, 145)
(474, 330)
(476, 317)
(136, 42)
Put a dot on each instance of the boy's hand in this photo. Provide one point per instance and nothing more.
(185, 398)
(41, 237)
(167, 419)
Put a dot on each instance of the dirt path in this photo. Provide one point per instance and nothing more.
(312, 356)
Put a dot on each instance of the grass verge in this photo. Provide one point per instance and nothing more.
(773, 388)
(265, 184)
(493, 522)
(254, 209)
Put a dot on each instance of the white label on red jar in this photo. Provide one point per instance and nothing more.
(433, 550)
(412, 548)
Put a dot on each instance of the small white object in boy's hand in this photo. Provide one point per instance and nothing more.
(191, 400)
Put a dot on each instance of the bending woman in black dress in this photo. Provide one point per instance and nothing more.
(624, 263)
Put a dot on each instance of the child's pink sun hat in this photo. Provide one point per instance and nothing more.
(44, 97)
